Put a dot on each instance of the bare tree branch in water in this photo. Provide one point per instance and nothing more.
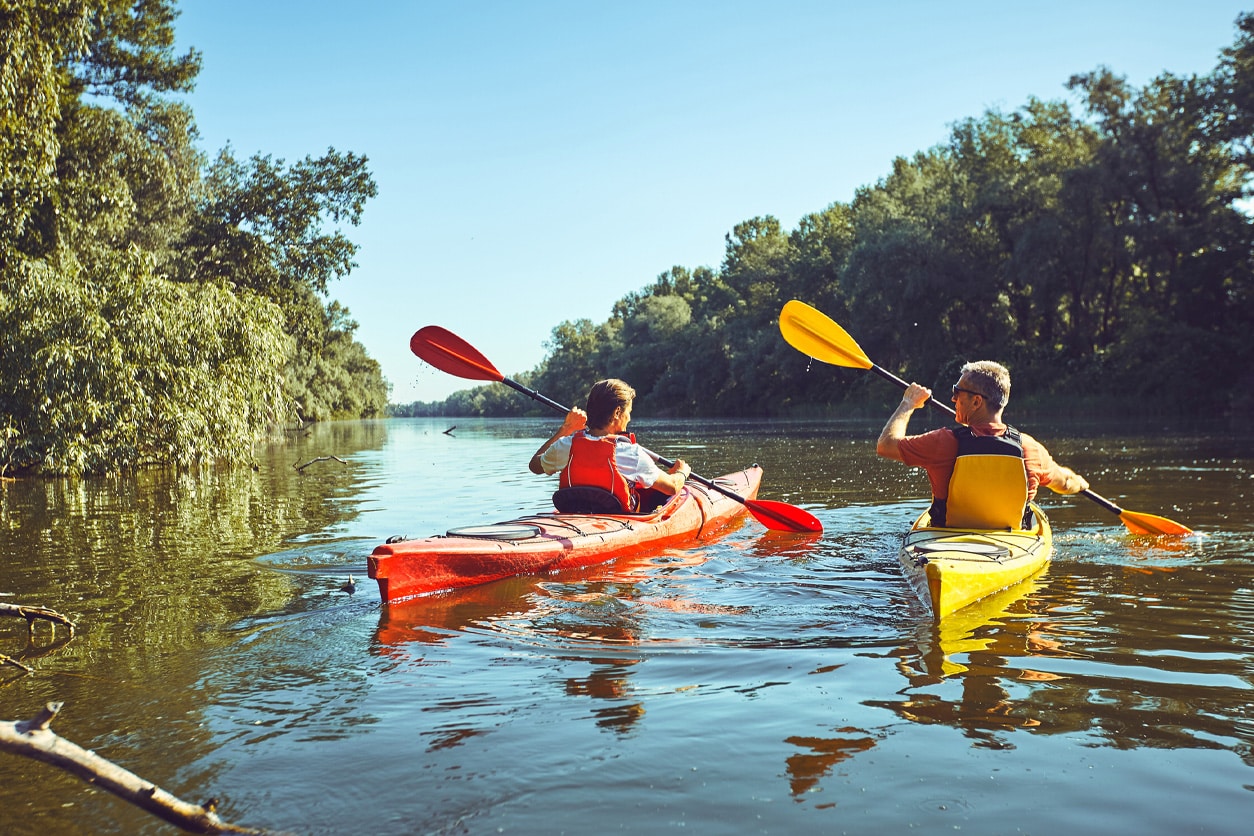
(34, 739)
(319, 459)
(33, 614)
(9, 660)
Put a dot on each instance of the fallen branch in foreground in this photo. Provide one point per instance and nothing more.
(33, 739)
(33, 614)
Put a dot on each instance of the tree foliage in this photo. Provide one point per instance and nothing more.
(1099, 246)
(157, 309)
(119, 367)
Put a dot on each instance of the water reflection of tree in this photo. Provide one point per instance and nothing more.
(984, 635)
(1165, 656)
(584, 619)
(156, 568)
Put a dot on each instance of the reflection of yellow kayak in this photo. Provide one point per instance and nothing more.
(950, 568)
(997, 625)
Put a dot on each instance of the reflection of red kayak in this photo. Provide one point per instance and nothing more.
(549, 542)
(430, 620)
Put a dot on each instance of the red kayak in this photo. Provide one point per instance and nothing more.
(551, 541)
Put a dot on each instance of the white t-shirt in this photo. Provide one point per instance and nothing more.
(635, 465)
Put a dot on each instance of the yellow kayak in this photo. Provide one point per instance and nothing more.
(950, 568)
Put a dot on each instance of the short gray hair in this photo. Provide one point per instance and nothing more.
(992, 380)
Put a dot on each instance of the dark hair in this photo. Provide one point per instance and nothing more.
(604, 397)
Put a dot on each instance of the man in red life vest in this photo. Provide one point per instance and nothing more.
(984, 472)
(592, 449)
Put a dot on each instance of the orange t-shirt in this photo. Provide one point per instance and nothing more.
(935, 452)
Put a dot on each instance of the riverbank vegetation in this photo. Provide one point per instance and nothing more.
(161, 306)
(158, 307)
(1099, 246)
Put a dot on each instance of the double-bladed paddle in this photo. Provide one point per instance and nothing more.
(814, 334)
(450, 353)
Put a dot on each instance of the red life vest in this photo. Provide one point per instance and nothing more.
(593, 463)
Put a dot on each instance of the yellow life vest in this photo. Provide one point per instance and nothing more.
(989, 485)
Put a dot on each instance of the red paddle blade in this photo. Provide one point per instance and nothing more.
(450, 353)
(780, 516)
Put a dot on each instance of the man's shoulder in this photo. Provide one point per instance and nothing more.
(939, 442)
(989, 428)
(941, 434)
(1032, 445)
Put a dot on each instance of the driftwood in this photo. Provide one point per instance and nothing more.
(33, 739)
(9, 660)
(33, 614)
(319, 459)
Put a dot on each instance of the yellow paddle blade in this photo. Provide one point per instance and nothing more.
(814, 334)
(1139, 523)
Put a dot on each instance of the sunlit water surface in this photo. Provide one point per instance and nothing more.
(763, 683)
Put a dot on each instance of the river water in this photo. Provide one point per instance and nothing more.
(763, 683)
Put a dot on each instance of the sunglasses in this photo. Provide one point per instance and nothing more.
(971, 392)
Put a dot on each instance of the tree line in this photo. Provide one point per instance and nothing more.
(1099, 246)
(157, 306)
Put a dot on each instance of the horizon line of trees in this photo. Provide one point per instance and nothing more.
(1100, 247)
(158, 307)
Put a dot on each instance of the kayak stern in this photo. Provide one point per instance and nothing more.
(549, 542)
(951, 568)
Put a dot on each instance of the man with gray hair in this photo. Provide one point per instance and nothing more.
(982, 472)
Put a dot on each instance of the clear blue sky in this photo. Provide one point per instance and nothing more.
(537, 161)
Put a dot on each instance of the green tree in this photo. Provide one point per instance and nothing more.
(902, 276)
(154, 309)
(758, 259)
(129, 56)
(1231, 95)
(1185, 259)
(112, 367)
(35, 41)
(260, 225)
(649, 336)
(336, 378)
(580, 353)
